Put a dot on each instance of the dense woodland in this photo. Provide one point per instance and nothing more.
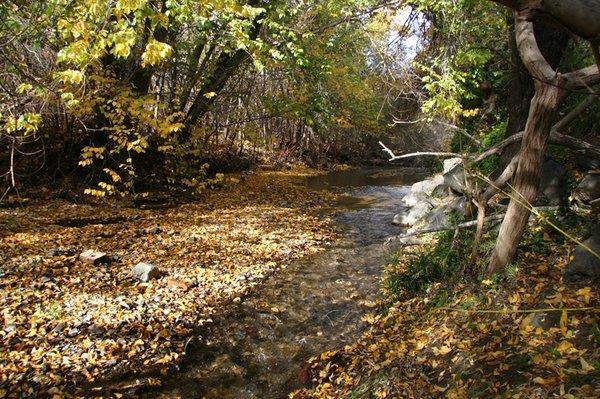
(106, 105)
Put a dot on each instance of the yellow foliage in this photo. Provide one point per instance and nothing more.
(156, 52)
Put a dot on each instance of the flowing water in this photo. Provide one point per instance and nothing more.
(313, 305)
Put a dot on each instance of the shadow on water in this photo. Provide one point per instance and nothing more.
(314, 304)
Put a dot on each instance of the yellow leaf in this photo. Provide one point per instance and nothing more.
(586, 293)
(563, 322)
(442, 350)
(565, 347)
(585, 366)
(70, 76)
(156, 52)
(23, 87)
(420, 344)
(210, 94)
(541, 381)
(487, 282)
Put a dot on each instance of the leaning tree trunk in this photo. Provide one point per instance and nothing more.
(551, 87)
(553, 43)
(527, 177)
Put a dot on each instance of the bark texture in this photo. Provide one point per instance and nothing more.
(551, 86)
(528, 174)
(553, 43)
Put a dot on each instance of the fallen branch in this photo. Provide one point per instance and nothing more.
(394, 157)
(471, 223)
(508, 311)
(464, 225)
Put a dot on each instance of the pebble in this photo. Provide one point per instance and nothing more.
(72, 332)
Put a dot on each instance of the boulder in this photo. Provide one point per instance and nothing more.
(417, 213)
(585, 265)
(429, 186)
(413, 198)
(553, 182)
(399, 219)
(145, 272)
(588, 189)
(455, 176)
(413, 215)
(440, 217)
(460, 205)
(545, 320)
(440, 191)
(93, 257)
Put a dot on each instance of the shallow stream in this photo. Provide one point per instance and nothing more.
(313, 305)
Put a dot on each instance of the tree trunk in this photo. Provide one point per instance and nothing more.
(552, 43)
(551, 86)
(527, 177)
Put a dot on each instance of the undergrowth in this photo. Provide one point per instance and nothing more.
(448, 260)
(444, 261)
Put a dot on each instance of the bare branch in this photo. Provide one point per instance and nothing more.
(394, 157)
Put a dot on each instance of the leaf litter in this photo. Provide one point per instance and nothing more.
(65, 323)
(533, 336)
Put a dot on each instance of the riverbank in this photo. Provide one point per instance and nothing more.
(441, 333)
(67, 324)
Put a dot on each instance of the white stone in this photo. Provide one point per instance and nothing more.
(145, 272)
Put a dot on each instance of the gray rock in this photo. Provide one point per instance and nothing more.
(553, 182)
(441, 216)
(546, 320)
(413, 198)
(585, 265)
(588, 190)
(72, 332)
(429, 186)
(145, 272)
(586, 163)
(459, 205)
(154, 230)
(437, 218)
(399, 219)
(59, 327)
(53, 252)
(93, 257)
(417, 213)
(440, 191)
(455, 176)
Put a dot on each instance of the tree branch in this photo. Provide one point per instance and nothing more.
(394, 157)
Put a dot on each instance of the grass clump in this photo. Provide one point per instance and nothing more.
(445, 260)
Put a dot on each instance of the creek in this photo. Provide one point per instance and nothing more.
(313, 305)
